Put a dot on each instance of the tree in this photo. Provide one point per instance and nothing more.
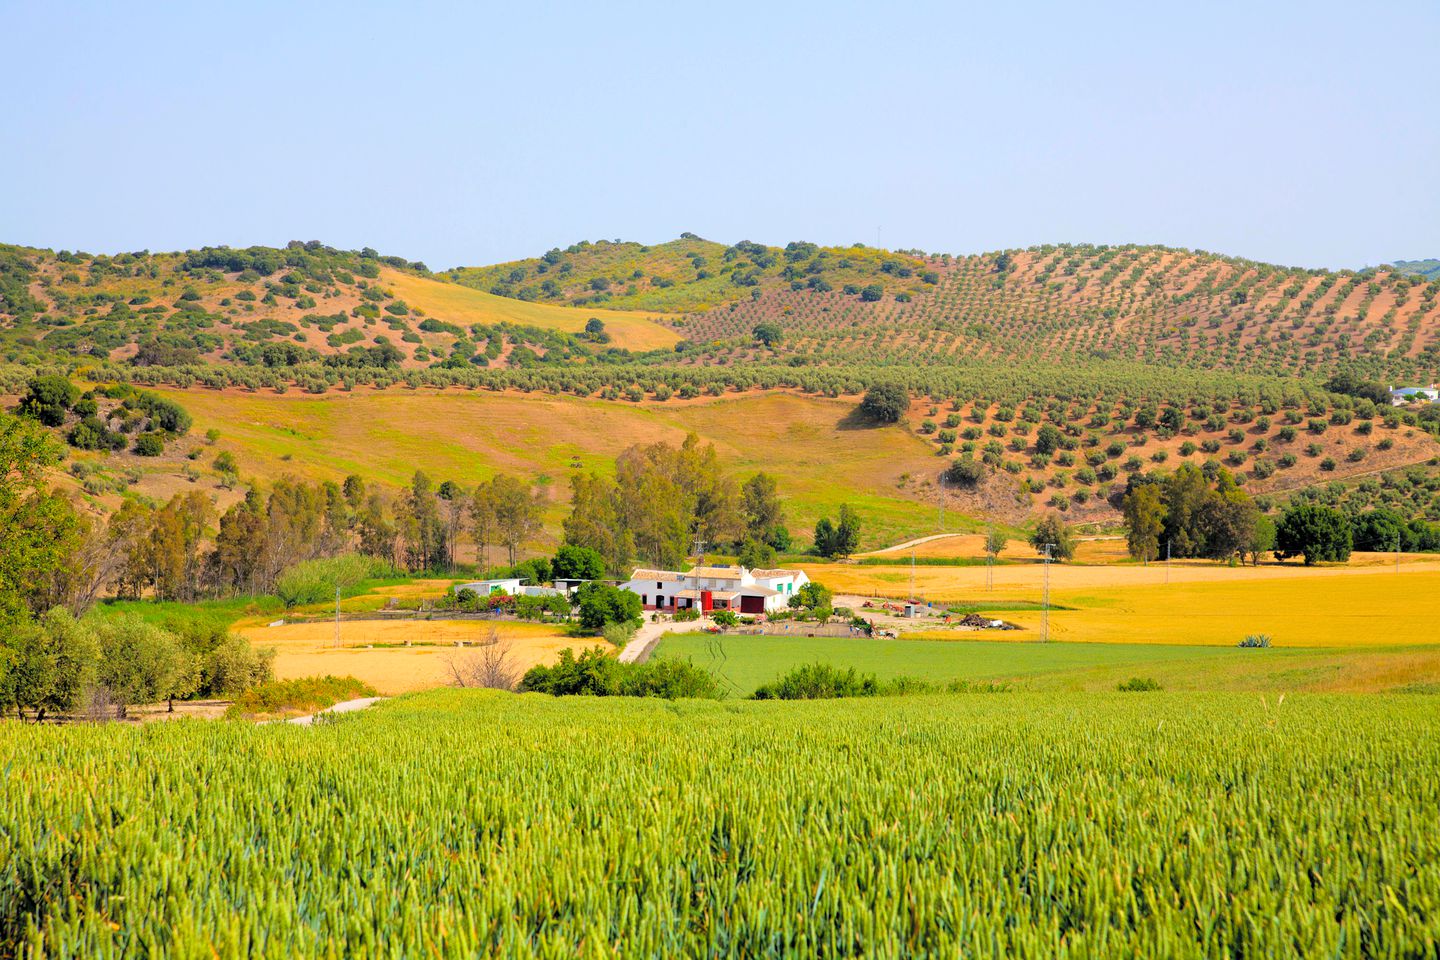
(761, 511)
(453, 501)
(1052, 530)
(1320, 534)
(847, 531)
(872, 293)
(756, 554)
(995, 542)
(46, 666)
(594, 325)
(885, 402)
(140, 663)
(825, 537)
(964, 472)
(602, 604)
(577, 563)
(1048, 439)
(38, 529)
(517, 512)
(769, 333)
(48, 399)
(1144, 514)
(812, 596)
(1382, 530)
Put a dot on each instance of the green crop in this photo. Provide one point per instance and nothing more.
(463, 823)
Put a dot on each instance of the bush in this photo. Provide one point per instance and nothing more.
(965, 472)
(301, 695)
(315, 581)
(595, 673)
(885, 402)
(1139, 685)
(819, 681)
(235, 666)
(149, 445)
(601, 604)
(1256, 640)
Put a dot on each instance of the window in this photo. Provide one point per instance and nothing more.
(658, 584)
(644, 600)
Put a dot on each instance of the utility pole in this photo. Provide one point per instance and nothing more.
(912, 574)
(990, 560)
(1045, 603)
(337, 615)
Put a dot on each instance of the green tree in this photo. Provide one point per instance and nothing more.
(885, 402)
(1144, 514)
(48, 399)
(577, 563)
(601, 604)
(847, 531)
(1318, 533)
(825, 537)
(141, 663)
(995, 542)
(756, 554)
(761, 510)
(1048, 439)
(45, 666)
(1052, 530)
(38, 529)
(769, 333)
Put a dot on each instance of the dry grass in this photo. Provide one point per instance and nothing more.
(1366, 604)
(806, 442)
(307, 649)
(631, 329)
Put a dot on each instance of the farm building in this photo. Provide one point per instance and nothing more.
(1399, 396)
(716, 588)
(512, 586)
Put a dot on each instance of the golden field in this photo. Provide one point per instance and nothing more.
(632, 329)
(374, 651)
(1366, 603)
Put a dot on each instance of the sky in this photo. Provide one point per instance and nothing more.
(1303, 134)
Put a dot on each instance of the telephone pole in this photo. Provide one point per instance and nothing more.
(1045, 602)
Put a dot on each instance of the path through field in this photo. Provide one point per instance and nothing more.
(345, 706)
(638, 650)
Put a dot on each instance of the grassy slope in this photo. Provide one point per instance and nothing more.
(745, 663)
(633, 330)
(468, 436)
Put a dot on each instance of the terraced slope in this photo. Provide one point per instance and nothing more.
(1148, 304)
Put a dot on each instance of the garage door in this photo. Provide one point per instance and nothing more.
(752, 604)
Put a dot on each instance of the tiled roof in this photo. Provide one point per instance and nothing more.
(772, 574)
(717, 573)
(662, 576)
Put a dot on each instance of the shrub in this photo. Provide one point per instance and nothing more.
(1256, 640)
(300, 695)
(315, 581)
(1139, 685)
(149, 445)
(819, 681)
(885, 402)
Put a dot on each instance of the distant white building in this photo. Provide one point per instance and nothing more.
(512, 586)
(716, 588)
(1399, 396)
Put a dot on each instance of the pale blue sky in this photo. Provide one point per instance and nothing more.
(1302, 133)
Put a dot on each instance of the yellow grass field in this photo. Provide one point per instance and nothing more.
(308, 649)
(631, 329)
(467, 436)
(1364, 604)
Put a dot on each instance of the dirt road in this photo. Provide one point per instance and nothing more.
(638, 650)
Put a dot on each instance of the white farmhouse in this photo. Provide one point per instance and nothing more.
(716, 588)
(1399, 396)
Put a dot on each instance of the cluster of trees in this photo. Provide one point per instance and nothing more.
(664, 500)
(57, 664)
(54, 401)
(1184, 513)
(840, 538)
(1221, 522)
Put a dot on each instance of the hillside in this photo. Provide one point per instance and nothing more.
(691, 274)
(1425, 269)
(264, 307)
